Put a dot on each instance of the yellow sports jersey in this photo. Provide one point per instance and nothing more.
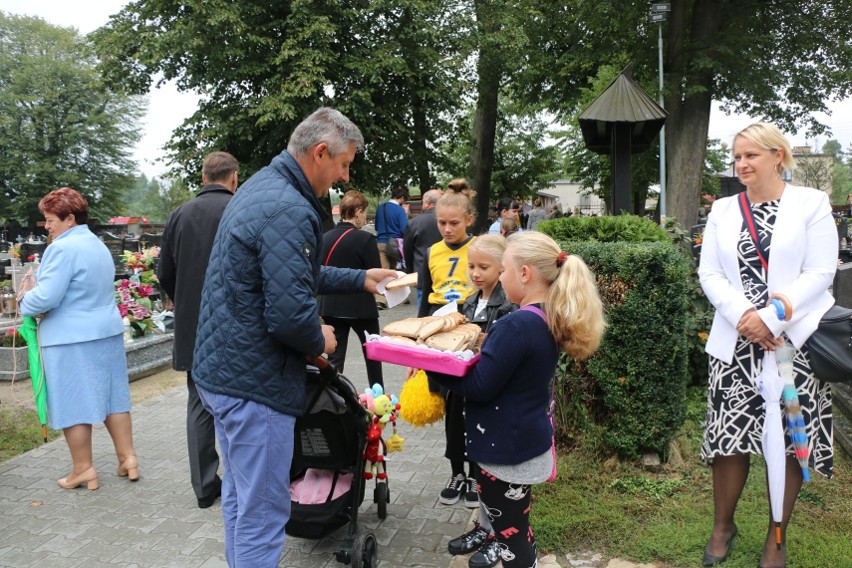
(448, 268)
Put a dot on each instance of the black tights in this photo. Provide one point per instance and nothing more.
(729, 477)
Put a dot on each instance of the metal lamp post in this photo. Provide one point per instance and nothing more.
(658, 16)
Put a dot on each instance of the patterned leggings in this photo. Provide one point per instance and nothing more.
(508, 508)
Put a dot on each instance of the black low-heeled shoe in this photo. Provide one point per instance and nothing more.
(712, 559)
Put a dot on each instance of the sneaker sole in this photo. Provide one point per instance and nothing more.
(471, 504)
(446, 501)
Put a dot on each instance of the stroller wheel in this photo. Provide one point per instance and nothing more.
(381, 496)
(365, 552)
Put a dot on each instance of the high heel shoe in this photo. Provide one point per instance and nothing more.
(712, 559)
(783, 559)
(89, 477)
(129, 468)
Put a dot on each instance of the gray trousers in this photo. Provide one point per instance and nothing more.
(201, 443)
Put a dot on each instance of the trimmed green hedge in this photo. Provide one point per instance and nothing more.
(629, 397)
(612, 229)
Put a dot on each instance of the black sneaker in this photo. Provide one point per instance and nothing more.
(468, 542)
(487, 556)
(452, 492)
(471, 495)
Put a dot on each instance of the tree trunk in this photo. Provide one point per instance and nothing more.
(425, 179)
(688, 103)
(489, 69)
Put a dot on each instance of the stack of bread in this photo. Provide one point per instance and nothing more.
(446, 333)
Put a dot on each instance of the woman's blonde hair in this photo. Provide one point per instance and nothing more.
(492, 245)
(768, 137)
(574, 309)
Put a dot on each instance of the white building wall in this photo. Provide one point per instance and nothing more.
(568, 195)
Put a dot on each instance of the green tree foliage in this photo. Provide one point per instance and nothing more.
(58, 125)
(841, 184)
(393, 66)
(154, 199)
(775, 59)
(523, 162)
(716, 160)
(833, 148)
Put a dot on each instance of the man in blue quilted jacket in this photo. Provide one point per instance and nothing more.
(259, 320)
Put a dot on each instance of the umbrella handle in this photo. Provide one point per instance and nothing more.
(778, 536)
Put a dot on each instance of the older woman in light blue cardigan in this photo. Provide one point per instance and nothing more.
(81, 338)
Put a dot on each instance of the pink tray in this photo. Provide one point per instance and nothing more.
(419, 358)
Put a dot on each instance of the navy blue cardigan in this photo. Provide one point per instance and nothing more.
(507, 393)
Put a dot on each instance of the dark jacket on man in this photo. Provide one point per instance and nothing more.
(356, 249)
(259, 315)
(422, 233)
(184, 253)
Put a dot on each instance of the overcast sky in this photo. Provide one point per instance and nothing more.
(167, 107)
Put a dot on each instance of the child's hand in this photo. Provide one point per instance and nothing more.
(410, 372)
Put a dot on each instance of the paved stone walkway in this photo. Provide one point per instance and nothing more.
(156, 523)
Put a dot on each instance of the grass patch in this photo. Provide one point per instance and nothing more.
(665, 516)
(20, 431)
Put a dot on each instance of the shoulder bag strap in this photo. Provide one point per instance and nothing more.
(748, 217)
(337, 242)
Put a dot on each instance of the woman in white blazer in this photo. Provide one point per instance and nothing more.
(82, 339)
(797, 231)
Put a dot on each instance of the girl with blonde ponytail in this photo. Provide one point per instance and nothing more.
(572, 304)
(507, 393)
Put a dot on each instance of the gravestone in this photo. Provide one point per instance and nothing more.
(842, 287)
(29, 249)
(116, 248)
(15, 272)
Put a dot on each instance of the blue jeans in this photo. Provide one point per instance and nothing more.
(257, 450)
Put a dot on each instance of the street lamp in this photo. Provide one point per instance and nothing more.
(658, 16)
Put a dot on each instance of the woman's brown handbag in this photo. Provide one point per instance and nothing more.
(830, 346)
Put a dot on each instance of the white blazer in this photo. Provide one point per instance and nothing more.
(802, 263)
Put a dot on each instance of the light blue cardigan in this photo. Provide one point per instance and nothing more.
(75, 290)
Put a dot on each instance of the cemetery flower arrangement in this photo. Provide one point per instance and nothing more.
(11, 338)
(16, 250)
(142, 263)
(134, 304)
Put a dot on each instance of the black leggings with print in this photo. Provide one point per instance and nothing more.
(508, 507)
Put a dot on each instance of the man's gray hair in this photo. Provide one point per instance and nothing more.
(325, 125)
(432, 196)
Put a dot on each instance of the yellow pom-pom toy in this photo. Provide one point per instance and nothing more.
(419, 406)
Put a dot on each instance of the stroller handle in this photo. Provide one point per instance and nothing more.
(320, 362)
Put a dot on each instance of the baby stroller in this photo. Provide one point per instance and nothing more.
(327, 486)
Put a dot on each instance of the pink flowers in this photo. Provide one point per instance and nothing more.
(134, 303)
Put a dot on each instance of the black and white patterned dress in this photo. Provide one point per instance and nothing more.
(734, 405)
